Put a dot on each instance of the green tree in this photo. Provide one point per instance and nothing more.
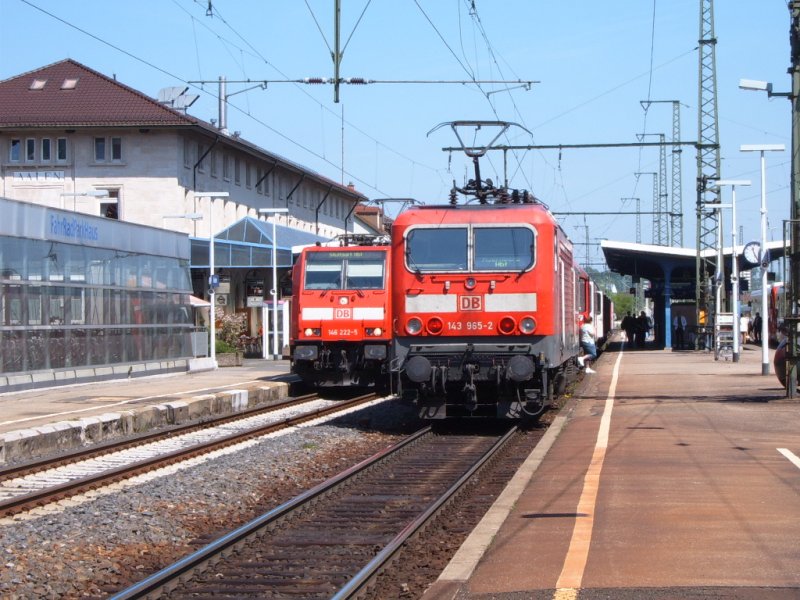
(623, 302)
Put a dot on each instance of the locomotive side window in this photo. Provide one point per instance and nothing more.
(442, 249)
(342, 270)
(503, 249)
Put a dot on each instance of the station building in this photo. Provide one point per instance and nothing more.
(85, 148)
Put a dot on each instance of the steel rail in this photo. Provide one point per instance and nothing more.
(97, 450)
(162, 580)
(372, 569)
(76, 486)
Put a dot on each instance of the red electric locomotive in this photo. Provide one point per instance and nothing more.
(484, 300)
(341, 317)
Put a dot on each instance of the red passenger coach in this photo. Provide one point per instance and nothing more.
(485, 316)
(341, 327)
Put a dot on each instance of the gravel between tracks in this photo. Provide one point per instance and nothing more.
(102, 546)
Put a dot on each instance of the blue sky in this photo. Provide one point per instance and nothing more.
(595, 62)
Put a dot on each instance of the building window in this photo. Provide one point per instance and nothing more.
(116, 148)
(259, 183)
(214, 163)
(61, 149)
(109, 207)
(187, 154)
(226, 167)
(30, 150)
(237, 176)
(201, 163)
(99, 149)
(247, 181)
(14, 150)
(46, 157)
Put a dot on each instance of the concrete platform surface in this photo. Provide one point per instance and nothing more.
(673, 476)
(38, 422)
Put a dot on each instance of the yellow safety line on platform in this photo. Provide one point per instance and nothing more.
(569, 582)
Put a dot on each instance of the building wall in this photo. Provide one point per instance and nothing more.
(154, 177)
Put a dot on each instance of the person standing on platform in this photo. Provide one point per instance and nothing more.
(588, 345)
(744, 328)
(628, 326)
(642, 327)
(757, 328)
(679, 325)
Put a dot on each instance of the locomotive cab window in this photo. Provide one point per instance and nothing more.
(345, 270)
(367, 272)
(442, 249)
(503, 248)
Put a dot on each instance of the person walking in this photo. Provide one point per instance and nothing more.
(588, 345)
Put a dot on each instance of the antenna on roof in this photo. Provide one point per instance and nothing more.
(175, 97)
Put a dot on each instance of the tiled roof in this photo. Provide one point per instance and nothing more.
(40, 98)
(45, 98)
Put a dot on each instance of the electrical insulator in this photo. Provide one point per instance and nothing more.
(356, 80)
(315, 80)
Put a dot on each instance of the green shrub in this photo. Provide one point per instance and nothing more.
(224, 347)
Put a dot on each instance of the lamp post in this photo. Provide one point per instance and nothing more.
(196, 216)
(212, 280)
(90, 193)
(762, 148)
(274, 290)
(734, 262)
(719, 275)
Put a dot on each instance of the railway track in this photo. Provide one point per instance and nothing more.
(332, 541)
(25, 487)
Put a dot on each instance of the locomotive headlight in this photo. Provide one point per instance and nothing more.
(469, 283)
(527, 324)
(309, 331)
(414, 326)
(435, 326)
(507, 325)
(377, 331)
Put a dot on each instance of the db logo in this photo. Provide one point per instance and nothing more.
(342, 313)
(470, 302)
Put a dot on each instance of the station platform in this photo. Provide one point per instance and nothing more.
(44, 421)
(668, 475)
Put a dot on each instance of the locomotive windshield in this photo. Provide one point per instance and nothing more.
(345, 270)
(448, 249)
(437, 249)
(503, 248)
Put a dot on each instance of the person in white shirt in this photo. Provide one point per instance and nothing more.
(588, 344)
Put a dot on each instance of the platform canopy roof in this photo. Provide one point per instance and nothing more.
(248, 244)
(652, 262)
